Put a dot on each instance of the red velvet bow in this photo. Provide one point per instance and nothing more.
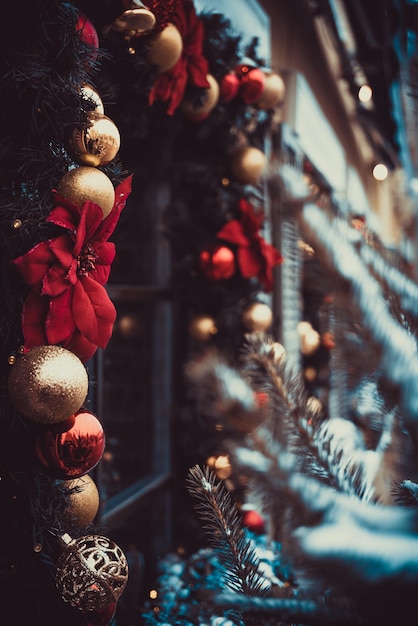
(191, 67)
(255, 257)
(67, 303)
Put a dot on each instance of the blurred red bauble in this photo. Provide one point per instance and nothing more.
(328, 340)
(74, 452)
(229, 87)
(87, 33)
(252, 86)
(217, 264)
(253, 521)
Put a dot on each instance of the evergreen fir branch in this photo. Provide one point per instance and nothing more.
(406, 493)
(400, 361)
(299, 426)
(224, 532)
(289, 610)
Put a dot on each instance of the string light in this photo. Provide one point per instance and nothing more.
(365, 93)
(380, 171)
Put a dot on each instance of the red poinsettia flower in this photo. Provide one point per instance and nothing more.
(255, 257)
(192, 67)
(67, 303)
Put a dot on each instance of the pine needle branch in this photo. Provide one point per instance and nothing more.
(287, 610)
(222, 526)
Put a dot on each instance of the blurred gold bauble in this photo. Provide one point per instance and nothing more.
(166, 48)
(273, 93)
(88, 93)
(310, 342)
(84, 184)
(208, 102)
(257, 317)
(98, 144)
(135, 21)
(84, 501)
(202, 327)
(48, 384)
(248, 164)
(223, 467)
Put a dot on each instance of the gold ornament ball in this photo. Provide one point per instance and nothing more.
(135, 22)
(88, 93)
(209, 101)
(84, 501)
(257, 317)
(48, 384)
(248, 165)
(98, 144)
(84, 184)
(166, 48)
(273, 93)
(202, 327)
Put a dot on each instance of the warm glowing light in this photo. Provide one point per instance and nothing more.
(153, 594)
(380, 171)
(365, 93)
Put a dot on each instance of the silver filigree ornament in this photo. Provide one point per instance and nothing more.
(92, 572)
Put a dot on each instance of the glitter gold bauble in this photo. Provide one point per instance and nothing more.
(166, 48)
(257, 317)
(88, 93)
(48, 384)
(98, 144)
(248, 165)
(135, 22)
(84, 184)
(202, 327)
(91, 572)
(206, 104)
(273, 93)
(84, 501)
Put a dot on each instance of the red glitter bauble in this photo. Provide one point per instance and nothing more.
(74, 452)
(217, 264)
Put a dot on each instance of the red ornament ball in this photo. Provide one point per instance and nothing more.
(72, 453)
(252, 86)
(87, 33)
(217, 264)
(229, 87)
(253, 521)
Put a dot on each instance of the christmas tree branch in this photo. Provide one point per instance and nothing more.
(224, 531)
(287, 610)
(400, 361)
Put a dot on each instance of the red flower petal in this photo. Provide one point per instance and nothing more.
(35, 263)
(57, 280)
(83, 348)
(105, 255)
(88, 226)
(108, 225)
(233, 232)
(249, 262)
(59, 322)
(93, 311)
